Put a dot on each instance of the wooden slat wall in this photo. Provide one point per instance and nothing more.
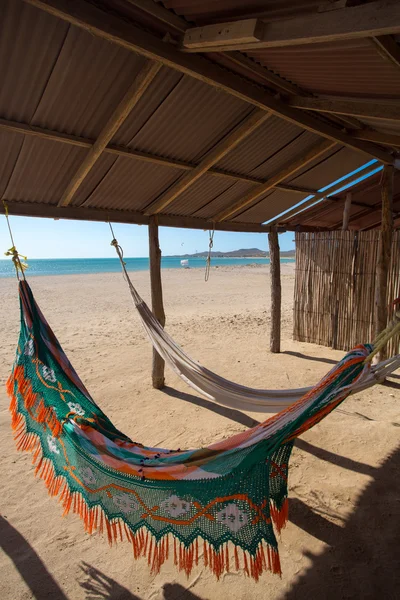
(334, 298)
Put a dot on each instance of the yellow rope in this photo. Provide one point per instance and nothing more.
(20, 266)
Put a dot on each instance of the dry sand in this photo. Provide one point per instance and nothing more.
(342, 540)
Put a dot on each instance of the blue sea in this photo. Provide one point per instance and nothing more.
(76, 266)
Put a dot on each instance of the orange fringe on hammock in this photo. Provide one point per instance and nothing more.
(94, 519)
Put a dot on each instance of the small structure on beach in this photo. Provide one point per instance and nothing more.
(209, 116)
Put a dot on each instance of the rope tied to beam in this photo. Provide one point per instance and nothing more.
(20, 265)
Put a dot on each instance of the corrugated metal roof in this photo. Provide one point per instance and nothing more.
(42, 171)
(70, 81)
(274, 202)
(89, 79)
(163, 85)
(190, 121)
(334, 164)
(260, 146)
(219, 203)
(10, 147)
(206, 189)
(284, 156)
(352, 68)
(131, 185)
(30, 42)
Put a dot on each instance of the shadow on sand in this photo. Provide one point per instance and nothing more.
(28, 563)
(99, 586)
(363, 557)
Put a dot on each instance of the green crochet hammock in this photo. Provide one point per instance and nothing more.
(220, 502)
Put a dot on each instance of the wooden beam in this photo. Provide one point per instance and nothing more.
(131, 98)
(346, 212)
(264, 74)
(289, 169)
(377, 109)
(80, 142)
(367, 20)
(115, 30)
(384, 255)
(157, 306)
(32, 209)
(234, 33)
(161, 14)
(227, 144)
(388, 49)
(276, 291)
(387, 139)
(321, 195)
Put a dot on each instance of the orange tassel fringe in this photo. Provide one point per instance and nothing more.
(280, 517)
(94, 519)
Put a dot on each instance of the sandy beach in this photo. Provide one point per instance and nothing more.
(342, 539)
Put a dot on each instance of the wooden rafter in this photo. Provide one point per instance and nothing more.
(227, 144)
(114, 29)
(388, 48)
(367, 20)
(289, 169)
(321, 195)
(80, 142)
(163, 15)
(131, 98)
(52, 211)
(377, 109)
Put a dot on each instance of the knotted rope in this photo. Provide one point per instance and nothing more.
(20, 267)
(208, 261)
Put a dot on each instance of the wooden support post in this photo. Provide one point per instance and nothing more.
(157, 306)
(346, 212)
(384, 254)
(276, 291)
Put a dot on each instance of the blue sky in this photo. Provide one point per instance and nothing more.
(47, 238)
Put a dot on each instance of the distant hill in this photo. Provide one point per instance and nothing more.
(242, 253)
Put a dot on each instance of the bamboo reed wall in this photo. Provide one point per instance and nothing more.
(334, 298)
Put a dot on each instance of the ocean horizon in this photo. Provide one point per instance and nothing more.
(77, 266)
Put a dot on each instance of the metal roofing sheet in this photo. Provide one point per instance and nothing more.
(327, 169)
(270, 205)
(190, 121)
(131, 185)
(352, 67)
(162, 86)
(284, 156)
(223, 200)
(10, 147)
(30, 42)
(89, 79)
(42, 171)
(260, 146)
(93, 178)
(196, 196)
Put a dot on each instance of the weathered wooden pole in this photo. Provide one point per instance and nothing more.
(346, 212)
(276, 291)
(157, 305)
(384, 254)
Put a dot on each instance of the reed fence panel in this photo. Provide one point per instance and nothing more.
(334, 298)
